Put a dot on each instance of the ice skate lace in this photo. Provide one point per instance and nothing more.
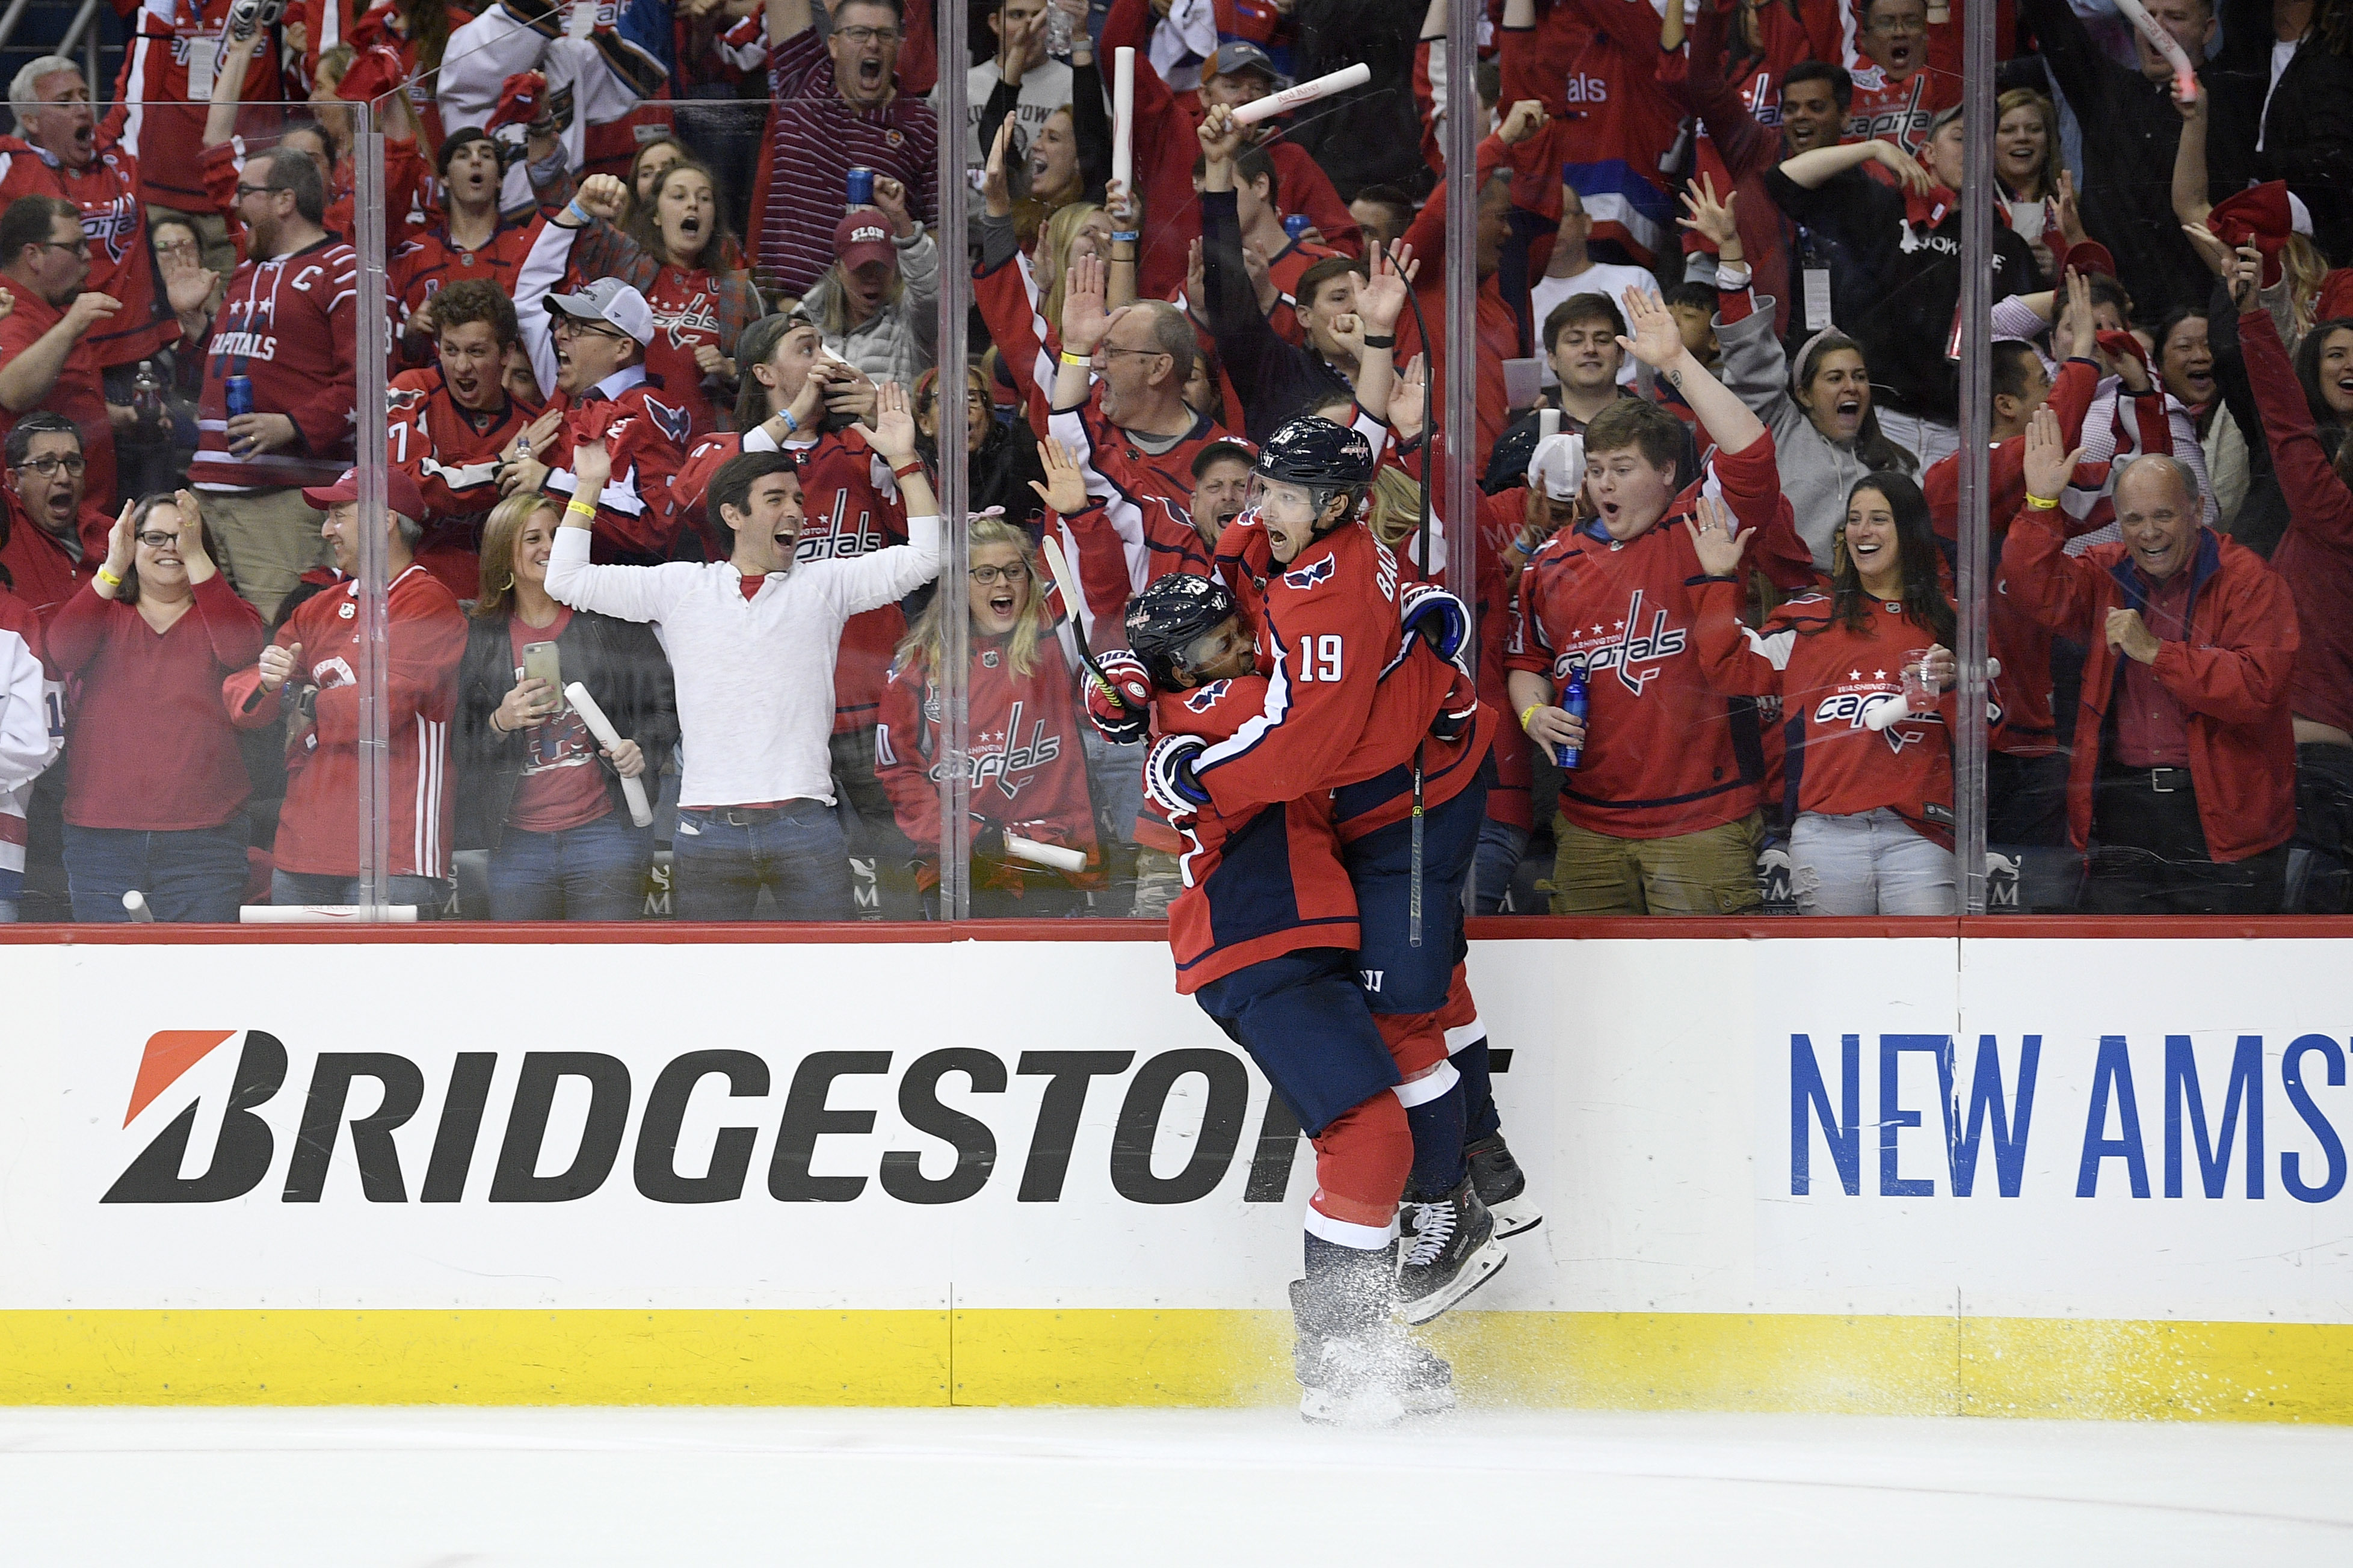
(1433, 1226)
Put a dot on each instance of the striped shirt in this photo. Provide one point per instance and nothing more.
(814, 140)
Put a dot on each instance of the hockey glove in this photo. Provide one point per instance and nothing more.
(1126, 720)
(1169, 775)
(1443, 620)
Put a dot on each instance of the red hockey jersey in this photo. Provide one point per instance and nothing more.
(164, 92)
(318, 828)
(114, 221)
(1617, 130)
(452, 453)
(292, 324)
(1659, 757)
(426, 261)
(1828, 678)
(1147, 507)
(644, 429)
(1027, 766)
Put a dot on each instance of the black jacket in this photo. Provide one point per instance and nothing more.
(1369, 134)
(623, 667)
(2307, 133)
(2131, 131)
(1897, 303)
(1275, 380)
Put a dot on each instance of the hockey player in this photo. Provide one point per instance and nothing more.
(1261, 935)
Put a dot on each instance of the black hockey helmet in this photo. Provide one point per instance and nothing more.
(1313, 452)
(1172, 615)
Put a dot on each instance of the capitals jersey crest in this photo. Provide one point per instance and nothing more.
(1311, 575)
(1206, 698)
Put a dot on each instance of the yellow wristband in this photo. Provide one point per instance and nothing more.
(109, 578)
(2039, 504)
(1525, 711)
(1069, 358)
(583, 508)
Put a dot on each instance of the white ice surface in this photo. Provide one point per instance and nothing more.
(442, 1489)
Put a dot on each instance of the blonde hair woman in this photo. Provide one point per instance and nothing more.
(538, 791)
(1028, 764)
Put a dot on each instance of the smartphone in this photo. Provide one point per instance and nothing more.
(540, 663)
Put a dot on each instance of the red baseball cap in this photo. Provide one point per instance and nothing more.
(863, 235)
(400, 492)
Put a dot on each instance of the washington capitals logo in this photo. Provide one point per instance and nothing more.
(673, 422)
(1309, 576)
(1201, 701)
(690, 323)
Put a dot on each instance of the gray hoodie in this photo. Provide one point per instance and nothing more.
(1816, 472)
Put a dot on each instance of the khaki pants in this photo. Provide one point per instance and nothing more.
(265, 540)
(1711, 872)
(212, 233)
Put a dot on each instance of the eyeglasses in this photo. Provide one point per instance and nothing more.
(244, 190)
(1902, 24)
(569, 324)
(1143, 354)
(44, 466)
(862, 36)
(155, 538)
(986, 576)
(79, 247)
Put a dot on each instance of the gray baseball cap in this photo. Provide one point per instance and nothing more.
(612, 301)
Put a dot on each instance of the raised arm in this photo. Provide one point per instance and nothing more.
(625, 593)
(1658, 342)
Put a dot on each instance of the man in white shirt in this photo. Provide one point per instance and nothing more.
(1021, 60)
(1573, 271)
(752, 642)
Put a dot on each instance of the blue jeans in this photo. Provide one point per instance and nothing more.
(1501, 846)
(798, 853)
(593, 872)
(429, 894)
(193, 874)
(1872, 863)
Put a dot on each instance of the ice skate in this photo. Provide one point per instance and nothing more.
(1450, 1251)
(1502, 1186)
(1347, 1369)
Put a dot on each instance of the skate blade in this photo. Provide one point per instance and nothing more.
(1516, 1215)
(1421, 1401)
(1477, 1270)
(1367, 1407)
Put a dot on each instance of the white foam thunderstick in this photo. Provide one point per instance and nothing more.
(1886, 713)
(2185, 76)
(1053, 855)
(322, 914)
(134, 903)
(1123, 118)
(641, 811)
(1307, 92)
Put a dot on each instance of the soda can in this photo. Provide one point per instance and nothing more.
(862, 187)
(241, 395)
(1297, 224)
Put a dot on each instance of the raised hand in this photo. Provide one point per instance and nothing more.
(592, 466)
(1381, 300)
(278, 665)
(1914, 174)
(2246, 276)
(1658, 341)
(1527, 117)
(119, 548)
(1086, 316)
(1065, 489)
(1406, 395)
(2049, 464)
(194, 557)
(1717, 538)
(603, 196)
(1712, 219)
(895, 425)
(996, 191)
(891, 198)
(2072, 334)
(1222, 140)
(2071, 219)
(1125, 207)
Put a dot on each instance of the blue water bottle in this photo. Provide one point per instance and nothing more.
(1297, 224)
(239, 391)
(1572, 702)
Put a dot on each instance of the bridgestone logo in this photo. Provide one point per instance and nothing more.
(644, 1125)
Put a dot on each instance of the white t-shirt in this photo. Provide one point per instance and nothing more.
(1044, 88)
(1601, 277)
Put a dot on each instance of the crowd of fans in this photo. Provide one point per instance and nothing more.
(665, 286)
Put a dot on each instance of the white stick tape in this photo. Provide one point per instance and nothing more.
(320, 914)
(1053, 855)
(1306, 93)
(1123, 118)
(641, 811)
(2185, 76)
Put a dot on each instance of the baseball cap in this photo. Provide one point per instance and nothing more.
(1243, 56)
(1222, 449)
(1558, 467)
(611, 301)
(863, 235)
(400, 492)
(1944, 117)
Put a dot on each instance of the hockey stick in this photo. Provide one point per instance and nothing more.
(1428, 478)
(1067, 582)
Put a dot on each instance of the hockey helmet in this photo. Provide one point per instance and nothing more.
(1318, 455)
(1169, 618)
